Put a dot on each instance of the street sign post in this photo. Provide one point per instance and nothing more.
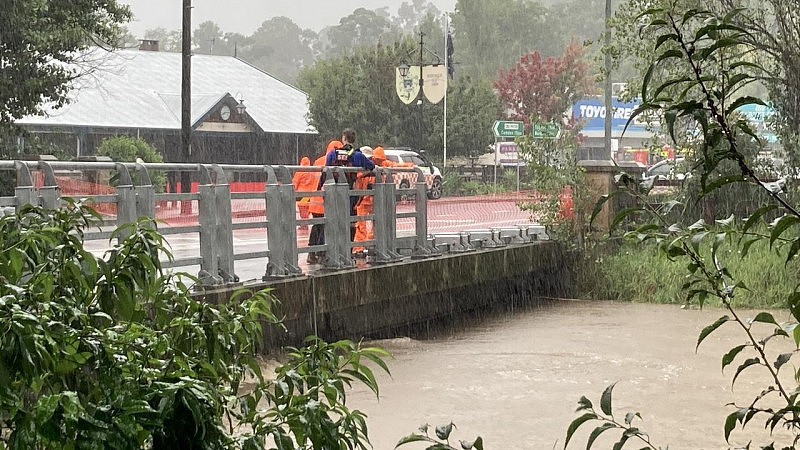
(506, 128)
(546, 130)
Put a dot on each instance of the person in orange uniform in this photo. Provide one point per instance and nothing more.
(304, 182)
(317, 206)
(364, 181)
(364, 230)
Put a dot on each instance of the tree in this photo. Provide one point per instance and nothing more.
(168, 41)
(40, 46)
(281, 48)
(409, 15)
(206, 38)
(128, 149)
(363, 27)
(717, 60)
(492, 34)
(358, 91)
(115, 352)
(543, 88)
(471, 109)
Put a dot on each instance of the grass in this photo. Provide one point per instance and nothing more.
(639, 273)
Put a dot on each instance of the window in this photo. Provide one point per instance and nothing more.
(393, 158)
(418, 161)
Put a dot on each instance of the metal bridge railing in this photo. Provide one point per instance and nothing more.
(134, 197)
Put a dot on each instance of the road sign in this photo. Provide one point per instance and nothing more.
(505, 128)
(548, 130)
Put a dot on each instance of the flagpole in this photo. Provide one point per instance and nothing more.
(447, 74)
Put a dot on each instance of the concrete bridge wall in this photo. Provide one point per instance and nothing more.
(390, 299)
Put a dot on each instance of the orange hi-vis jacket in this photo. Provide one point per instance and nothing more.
(305, 181)
(317, 203)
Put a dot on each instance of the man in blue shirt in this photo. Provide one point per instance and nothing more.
(348, 156)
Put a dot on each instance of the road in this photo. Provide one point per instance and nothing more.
(444, 215)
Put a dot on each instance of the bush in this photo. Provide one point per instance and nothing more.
(127, 149)
(113, 352)
(639, 273)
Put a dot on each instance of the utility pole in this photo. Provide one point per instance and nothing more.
(609, 105)
(186, 100)
(421, 101)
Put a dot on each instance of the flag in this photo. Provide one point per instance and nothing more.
(451, 70)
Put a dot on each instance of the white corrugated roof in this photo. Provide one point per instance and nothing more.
(139, 89)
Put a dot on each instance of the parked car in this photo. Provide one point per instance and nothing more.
(404, 180)
(669, 170)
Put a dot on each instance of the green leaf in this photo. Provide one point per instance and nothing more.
(443, 431)
(597, 432)
(731, 355)
(414, 437)
(730, 424)
(765, 317)
(584, 403)
(630, 416)
(710, 329)
(601, 202)
(780, 225)
(783, 358)
(605, 399)
(746, 246)
(718, 183)
(747, 363)
(573, 427)
(622, 214)
(742, 101)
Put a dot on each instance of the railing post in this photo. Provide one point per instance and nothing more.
(281, 228)
(50, 192)
(145, 194)
(337, 221)
(222, 194)
(289, 222)
(126, 201)
(421, 249)
(207, 218)
(385, 223)
(25, 192)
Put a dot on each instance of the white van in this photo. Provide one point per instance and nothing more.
(433, 176)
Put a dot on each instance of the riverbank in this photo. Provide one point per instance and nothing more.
(639, 273)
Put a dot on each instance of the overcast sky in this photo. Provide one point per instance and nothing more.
(245, 16)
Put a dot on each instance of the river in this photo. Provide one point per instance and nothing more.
(515, 378)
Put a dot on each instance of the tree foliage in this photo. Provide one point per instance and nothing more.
(719, 58)
(115, 352)
(538, 88)
(38, 38)
(128, 149)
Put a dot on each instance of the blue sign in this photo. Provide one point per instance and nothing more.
(759, 117)
(591, 113)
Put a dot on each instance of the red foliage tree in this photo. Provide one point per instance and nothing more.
(543, 88)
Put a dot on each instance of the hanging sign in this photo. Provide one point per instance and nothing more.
(435, 84)
(408, 86)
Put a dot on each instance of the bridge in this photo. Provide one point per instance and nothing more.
(240, 221)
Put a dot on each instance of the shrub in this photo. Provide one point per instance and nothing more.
(114, 352)
(127, 149)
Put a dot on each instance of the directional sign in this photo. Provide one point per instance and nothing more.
(505, 128)
(549, 130)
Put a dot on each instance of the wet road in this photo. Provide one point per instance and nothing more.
(515, 378)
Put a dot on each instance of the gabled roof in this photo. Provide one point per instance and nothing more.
(140, 89)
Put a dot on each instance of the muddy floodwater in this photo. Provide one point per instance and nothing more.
(514, 378)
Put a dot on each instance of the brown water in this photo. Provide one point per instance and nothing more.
(514, 379)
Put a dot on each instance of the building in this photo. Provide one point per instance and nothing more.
(240, 114)
(590, 112)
